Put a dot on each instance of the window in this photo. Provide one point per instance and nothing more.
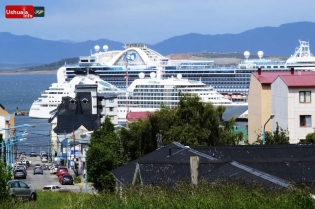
(111, 109)
(22, 185)
(305, 96)
(111, 101)
(305, 121)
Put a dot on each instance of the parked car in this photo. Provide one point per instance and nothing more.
(62, 170)
(21, 190)
(33, 154)
(51, 188)
(42, 153)
(44, 158)
(53, 169)
(66, 179)
(21, 167)
(38, 170)
(45, 167)
(19, 174)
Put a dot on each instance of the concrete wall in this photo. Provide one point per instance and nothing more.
(280, 101)
(287, 108)
(296, 109)
(109, 107)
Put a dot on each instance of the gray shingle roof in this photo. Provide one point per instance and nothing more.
(270, 165)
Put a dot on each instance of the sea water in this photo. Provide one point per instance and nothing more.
(19, 91)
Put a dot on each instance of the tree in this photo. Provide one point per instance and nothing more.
(310, 138)
(279, 136)
(191, 123)
(5, 176)
(104, 154)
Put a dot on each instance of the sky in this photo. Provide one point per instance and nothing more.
(152, 21)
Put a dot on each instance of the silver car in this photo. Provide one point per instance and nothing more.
(19, 189)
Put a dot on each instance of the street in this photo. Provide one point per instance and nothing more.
(38, 181)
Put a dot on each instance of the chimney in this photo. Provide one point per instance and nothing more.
(259, 71)
(292, 71)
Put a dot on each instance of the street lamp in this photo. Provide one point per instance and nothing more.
(10, 156)
(9, 141)
(85, 169)
(264, 131)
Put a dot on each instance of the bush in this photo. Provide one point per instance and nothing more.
(77, 180)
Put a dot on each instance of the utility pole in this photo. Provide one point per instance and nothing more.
(74, 159)
(64, 132)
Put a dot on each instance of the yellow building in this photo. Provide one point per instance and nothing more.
(259, 102)
(6, 120)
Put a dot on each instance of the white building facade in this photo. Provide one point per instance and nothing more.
(293, 104)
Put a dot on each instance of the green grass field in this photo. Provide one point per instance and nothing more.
(183, 196)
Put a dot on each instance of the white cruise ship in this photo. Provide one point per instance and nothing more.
(231, 81)
(52, 97)
(148, 93)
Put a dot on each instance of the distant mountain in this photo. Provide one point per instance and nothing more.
(274, 41)
(66, 41)
(27, 49)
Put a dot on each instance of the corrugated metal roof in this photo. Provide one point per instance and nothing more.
(299, 80)
(270, 77)
(134, 116)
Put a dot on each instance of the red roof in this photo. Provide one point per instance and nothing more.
(270, 77)
(134, 116)
(303, 80)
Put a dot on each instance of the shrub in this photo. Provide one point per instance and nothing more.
(77, 180)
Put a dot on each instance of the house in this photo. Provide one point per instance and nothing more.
(262, 104)
(6, 120)
(293, 103)
(271, 165)
(259, 102)
(87, 109)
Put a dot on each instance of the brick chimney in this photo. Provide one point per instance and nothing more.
(259, 71)
(292, 71)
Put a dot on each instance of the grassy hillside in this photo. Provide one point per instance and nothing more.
(207, 195)
(47, 67)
